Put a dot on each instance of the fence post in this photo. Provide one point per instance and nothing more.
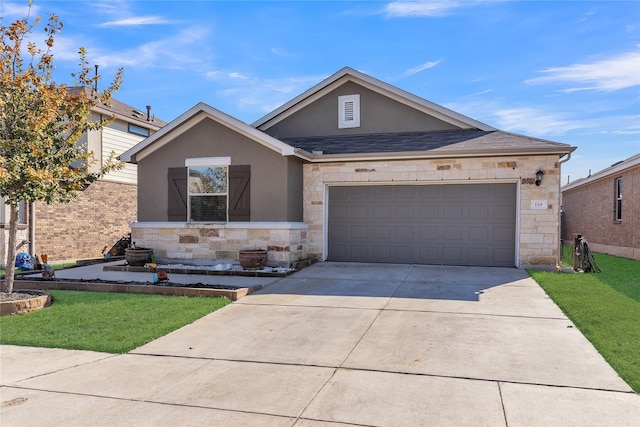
(576, 242)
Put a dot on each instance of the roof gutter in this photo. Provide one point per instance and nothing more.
(317, 157)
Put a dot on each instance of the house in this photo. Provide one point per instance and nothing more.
(101, 214)
(353, 169)
(605, 209)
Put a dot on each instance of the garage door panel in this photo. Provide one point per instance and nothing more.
(359, 212)
(452, 254)
(429, 212)
(453, 212)
(382, 212)
(405, 193)
(478, 233)
(404, 232)
(458, 224)
(429, 232)
(452, 192)
(382, 231)
(359, 232)
(383, 193)
(503, 234)
(404, 212)
(359, 252)
(381, 252)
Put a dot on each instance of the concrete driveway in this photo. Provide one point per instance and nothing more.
(341, 344)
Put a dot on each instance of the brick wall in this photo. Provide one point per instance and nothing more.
(589, 210)
(538, 229)
(98, 218)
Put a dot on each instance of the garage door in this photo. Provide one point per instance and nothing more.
(468, 224)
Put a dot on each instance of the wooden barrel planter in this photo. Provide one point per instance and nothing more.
(251, 259)
(138, 257)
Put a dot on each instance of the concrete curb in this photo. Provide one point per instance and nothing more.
(131, 288)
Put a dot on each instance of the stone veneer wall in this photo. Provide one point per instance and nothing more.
(98, 218)
(537, 234)
(199, 243)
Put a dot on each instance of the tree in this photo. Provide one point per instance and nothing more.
(41, 123)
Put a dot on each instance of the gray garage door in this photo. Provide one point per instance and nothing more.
(469, 224)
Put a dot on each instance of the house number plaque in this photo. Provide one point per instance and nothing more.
(539, 204)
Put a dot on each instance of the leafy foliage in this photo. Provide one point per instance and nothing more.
(42, 124)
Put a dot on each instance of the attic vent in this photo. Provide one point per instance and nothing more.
(348, 111)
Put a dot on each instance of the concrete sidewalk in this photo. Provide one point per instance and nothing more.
(340, 344)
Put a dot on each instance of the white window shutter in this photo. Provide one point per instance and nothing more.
(349, 111)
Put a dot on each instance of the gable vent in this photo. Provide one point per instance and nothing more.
(349, 111)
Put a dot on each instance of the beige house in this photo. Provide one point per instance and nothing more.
(101, 214)
(605, 209)
(353, 169)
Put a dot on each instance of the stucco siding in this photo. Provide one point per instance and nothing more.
(537, 239)
(589, 210)
(271, 173)
(379, 114)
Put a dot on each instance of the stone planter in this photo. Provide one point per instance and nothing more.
(138, 257)
(253, 259)
(39, 300)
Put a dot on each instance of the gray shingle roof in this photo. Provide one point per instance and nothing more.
(123, 110)
(444, 140)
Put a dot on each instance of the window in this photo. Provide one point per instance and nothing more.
(617, 216)
(138, 130)
(207, 187)
(348, 111)
(200, 205)
(5, 213)
(208, 193)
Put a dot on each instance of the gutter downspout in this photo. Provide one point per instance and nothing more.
(32, 228)
(559, 256)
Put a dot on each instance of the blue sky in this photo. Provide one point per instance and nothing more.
(567, 71)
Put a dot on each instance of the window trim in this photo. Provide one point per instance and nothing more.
(617, 200)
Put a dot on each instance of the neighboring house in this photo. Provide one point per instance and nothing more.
(353, 169)
(605, 209)
(101, 214)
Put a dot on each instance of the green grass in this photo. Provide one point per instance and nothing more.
(107, 322)
(605, 307)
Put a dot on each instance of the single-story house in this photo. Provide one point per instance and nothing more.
(100, 215)
(605, 209)
(353, 169)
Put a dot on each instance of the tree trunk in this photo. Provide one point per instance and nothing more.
(7, 285)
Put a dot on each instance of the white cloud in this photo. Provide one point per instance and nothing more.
(136, 21)
(183, 49)
(535, 122)
(402, 9)
(482, 92)
(419, 68)
(252, 93)
(17, 10)
(428, 8)
(616, 73)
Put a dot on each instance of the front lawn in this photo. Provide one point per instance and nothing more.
(108, 322)
(606, 309)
